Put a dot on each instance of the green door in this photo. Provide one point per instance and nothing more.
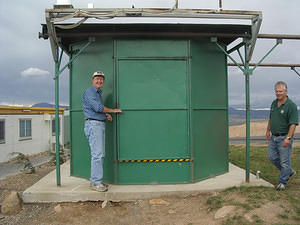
(153, 97)
(153, 94)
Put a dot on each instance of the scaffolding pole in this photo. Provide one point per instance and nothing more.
(56, 78)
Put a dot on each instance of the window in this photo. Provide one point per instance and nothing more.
(25, 128)
(54, 127)
(2, 131)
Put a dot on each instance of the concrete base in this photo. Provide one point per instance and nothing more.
(75, 189)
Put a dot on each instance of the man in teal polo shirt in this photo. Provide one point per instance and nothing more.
(282, 124)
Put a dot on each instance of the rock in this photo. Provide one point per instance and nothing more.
(158, 201)
(171, 211)
(58, 208)
(224, 211)
(248, 217)
(104, 204)
(12, 204)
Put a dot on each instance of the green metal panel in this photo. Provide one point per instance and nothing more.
(152, 48)
(155, 134)
(152, 84)
(80, 155)
(209, 110)
(154, 173)
(209, 143)
(209, 81)
(66, 131)
(99, 56)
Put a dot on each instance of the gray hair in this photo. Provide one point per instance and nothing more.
(280, 83)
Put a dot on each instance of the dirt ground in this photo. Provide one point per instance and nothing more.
(197, 209)
(247, 207)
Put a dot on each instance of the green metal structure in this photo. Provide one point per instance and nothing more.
(173, 93)
(170, 80)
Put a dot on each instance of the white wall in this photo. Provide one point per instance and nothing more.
(41, 135)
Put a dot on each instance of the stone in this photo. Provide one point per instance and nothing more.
(158, 201)
(224, 211)
(104, 204)
(171, 211)
(248, 217)
(58, 208)
(12, 204)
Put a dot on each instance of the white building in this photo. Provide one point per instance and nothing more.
(27, 130)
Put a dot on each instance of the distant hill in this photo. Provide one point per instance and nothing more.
(238, 116)
(48, 105)
(254, 114)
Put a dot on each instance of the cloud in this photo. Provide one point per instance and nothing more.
(34, 72)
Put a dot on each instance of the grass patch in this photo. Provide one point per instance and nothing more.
(235, 220)
(214, 202)
(296, 218)
(257, 196)
(259, 161)
(258, 220)
(281, 224)
(243, 205)
(283, 216)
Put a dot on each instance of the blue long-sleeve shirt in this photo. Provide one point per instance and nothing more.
(92, 104)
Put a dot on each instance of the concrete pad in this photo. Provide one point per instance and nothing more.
(75, 189)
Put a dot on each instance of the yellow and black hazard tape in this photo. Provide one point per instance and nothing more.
(153, 160)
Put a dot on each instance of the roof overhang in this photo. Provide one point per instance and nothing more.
(93, 23)
(225, 33)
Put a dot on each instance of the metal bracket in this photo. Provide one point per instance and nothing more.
(91, 39)
(237, 47)
(293, 68)
(278, 41)
(215, 40)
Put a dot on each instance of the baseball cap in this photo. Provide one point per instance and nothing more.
(98, 73)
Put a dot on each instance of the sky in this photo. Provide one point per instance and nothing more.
(27, 67)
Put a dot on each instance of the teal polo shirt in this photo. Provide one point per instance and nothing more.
(281, 118)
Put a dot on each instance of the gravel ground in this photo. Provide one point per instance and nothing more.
(20, 182)
(191, 210)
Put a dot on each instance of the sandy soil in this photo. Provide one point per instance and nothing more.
(256, 129)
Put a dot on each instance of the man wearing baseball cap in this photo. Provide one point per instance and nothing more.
(95, 115)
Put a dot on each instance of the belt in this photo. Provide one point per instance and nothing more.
(95, 119)
(279, 134)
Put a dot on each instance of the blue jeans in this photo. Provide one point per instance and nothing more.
(281, 157)
(95, 132)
